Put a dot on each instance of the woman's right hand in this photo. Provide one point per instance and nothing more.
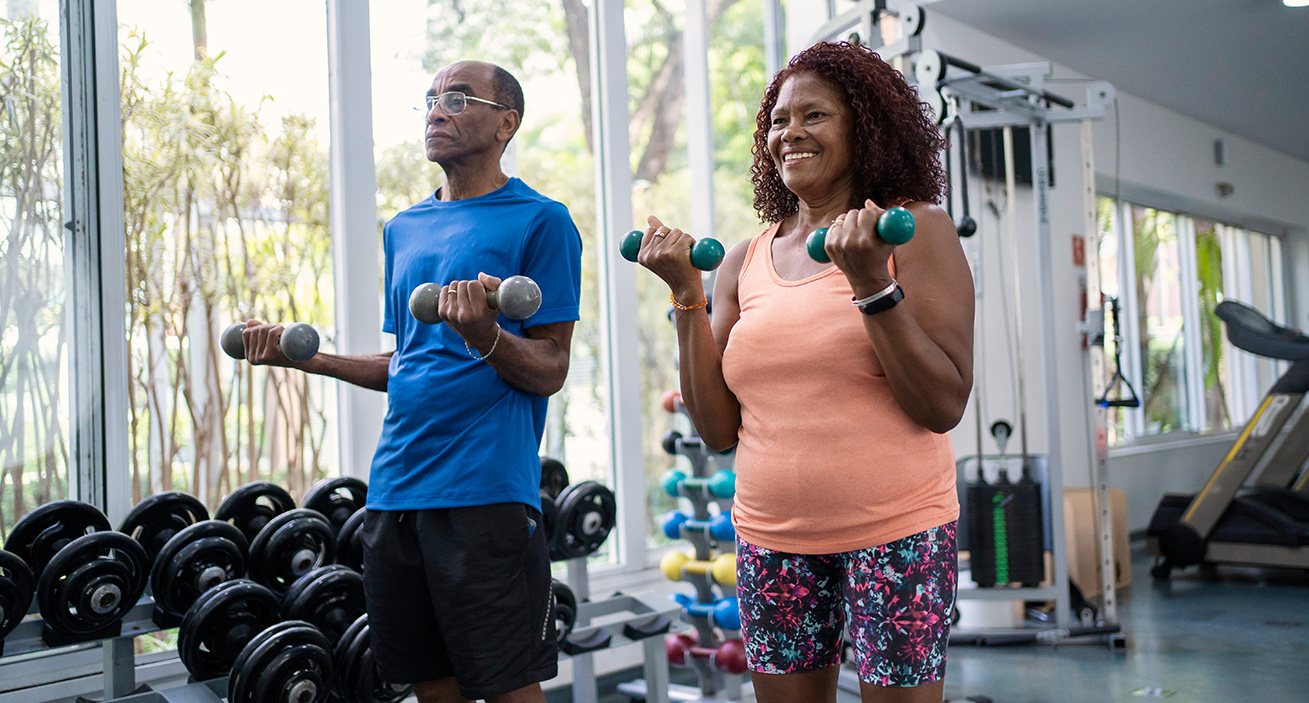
(666, 252)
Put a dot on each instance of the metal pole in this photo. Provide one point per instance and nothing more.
(1011, 193)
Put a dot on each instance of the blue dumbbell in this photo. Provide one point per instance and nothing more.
(724, 612)
(719, 526)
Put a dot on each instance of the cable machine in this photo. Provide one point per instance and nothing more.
(965, 94)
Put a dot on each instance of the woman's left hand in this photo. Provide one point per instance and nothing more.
(855, 247)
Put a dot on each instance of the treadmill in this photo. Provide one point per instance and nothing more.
(1228, 522)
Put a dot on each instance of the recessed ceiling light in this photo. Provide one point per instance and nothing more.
(1296, 3)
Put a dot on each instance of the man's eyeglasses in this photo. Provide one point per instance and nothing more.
(454, 103)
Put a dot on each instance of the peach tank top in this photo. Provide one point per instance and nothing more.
(827, 461)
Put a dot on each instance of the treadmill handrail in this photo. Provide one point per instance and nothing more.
(1250, 330)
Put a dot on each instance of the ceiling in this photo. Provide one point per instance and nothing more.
(1241, 65)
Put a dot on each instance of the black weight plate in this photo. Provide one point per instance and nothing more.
(220, 623)
(253, 505)
(587, 512)
(156, 519)
(44, 531)
(289, 546)
(92, 582)
(330, 598)
(549, 517)
(554, 477)
(290, 662)
(193, 561)
(356, 672)
(16, 589)
(337, 499)
(565, 606)
(349, 546)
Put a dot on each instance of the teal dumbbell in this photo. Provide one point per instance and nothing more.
(895, 226)
(677, 524)
(706, 254)
(721, 484)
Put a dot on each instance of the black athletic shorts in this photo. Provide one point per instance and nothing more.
(461, 592)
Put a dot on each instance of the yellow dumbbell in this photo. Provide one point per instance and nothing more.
(722, 568)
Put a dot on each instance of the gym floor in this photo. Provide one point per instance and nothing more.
(1243, 637)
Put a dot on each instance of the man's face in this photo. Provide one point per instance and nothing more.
(477, 132)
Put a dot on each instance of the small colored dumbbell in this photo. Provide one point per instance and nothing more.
(895, 226)
(671, 400)
(729, 657)
(518, 297)
(722, 569)
(677, 524)
(706, 253)
(299, 341)
(724, 612)
(721, 484)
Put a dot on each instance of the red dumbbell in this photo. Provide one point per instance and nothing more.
(671, 400)
(728, 657)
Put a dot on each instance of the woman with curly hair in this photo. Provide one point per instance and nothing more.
(845, 508)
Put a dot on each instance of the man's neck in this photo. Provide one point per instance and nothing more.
(462, 185)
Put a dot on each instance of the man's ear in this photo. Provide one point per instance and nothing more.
(509, 123)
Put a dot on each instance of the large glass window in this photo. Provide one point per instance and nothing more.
(1181, 267)
(1161, 333)
(34, 328)
(226, 210)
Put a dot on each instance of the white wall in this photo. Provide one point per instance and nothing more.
(1166, 159)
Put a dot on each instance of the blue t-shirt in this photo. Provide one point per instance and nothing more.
(456, 434)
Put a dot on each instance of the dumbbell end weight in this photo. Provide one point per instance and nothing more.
(814, 245)
(518, 297)
(299, 342)
(231, 342)
(425, 302)
(896, 226)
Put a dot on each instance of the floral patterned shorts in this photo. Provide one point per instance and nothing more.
(896, 599)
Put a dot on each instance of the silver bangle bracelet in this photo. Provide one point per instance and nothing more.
(875, 296)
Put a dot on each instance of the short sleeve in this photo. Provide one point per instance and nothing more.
(552, 257)
(388, 295)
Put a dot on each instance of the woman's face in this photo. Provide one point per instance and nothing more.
(809, 136)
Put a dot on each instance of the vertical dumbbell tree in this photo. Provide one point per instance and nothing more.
(715, 648)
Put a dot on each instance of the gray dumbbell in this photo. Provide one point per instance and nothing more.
(299, 341)
(518, 297)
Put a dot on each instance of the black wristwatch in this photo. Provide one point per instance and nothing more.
(883, 303)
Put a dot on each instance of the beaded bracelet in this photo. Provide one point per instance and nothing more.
(673, 299)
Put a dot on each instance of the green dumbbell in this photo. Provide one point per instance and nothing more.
(706, 253)
(518, 297)
(299, 341)
(895, 226)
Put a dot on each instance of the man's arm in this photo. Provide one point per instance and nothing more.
(537, 363)
(263, 348)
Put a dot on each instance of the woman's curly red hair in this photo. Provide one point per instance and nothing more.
(896, 143)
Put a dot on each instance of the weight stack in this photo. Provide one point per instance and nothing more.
(1005, 533)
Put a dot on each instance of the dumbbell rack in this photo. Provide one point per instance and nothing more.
(714, 685)
(642, 618)
(119, 660)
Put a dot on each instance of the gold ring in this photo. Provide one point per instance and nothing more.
(838, 221)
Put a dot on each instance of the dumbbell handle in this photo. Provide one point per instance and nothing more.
(518, 297)
(299, 341)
